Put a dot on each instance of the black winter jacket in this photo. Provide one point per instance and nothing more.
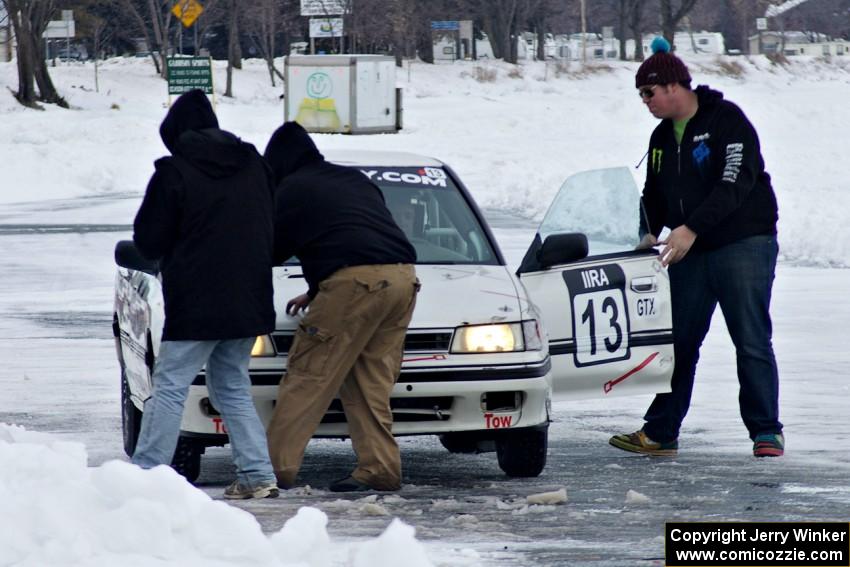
(329, 216)
(714, 182)
(207, 216)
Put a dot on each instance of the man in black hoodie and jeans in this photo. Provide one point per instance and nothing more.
(207, 218)
(706, 181)
(362, 285)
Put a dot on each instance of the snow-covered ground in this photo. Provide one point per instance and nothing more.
(512, 140)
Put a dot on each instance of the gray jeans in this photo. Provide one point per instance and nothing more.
(230, 392)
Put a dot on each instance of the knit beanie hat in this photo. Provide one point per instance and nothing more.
(662, 67)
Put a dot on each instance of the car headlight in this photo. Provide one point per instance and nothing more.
(498, 337)
(263, 346)
(501, 337)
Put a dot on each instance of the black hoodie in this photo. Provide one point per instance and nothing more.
(207, 216)
(329, 216)
(714, 181)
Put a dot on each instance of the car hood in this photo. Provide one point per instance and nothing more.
(451, 295)
(454, 295)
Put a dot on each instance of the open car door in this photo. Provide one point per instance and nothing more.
(605, 306)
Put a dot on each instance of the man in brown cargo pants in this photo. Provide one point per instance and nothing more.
(362, 290)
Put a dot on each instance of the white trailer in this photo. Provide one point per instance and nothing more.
(349, 94)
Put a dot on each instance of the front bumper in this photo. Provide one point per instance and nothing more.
(423, 402)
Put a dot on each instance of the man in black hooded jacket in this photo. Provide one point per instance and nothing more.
(706, 181)
(361, 291)
(207, 218)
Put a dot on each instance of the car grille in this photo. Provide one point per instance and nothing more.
(431, 408)
(438, 341)
(427, 342)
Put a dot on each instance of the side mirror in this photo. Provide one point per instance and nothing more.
(562, 249)
(557, 249)
(128, 256)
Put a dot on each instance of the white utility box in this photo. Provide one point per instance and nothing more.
(350, 94)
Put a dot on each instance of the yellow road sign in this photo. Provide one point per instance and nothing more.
(187, 11)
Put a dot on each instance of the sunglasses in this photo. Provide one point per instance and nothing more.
(647, 93)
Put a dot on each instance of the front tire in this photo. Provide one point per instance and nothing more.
(187, 459)
(522, 452)
(131, 418)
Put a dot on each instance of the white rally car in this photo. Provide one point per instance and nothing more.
(487, 348)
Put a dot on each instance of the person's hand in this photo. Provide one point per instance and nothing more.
(648, 241)
(297, 304)
(677, 244)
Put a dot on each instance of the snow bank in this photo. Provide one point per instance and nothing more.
(57, 511)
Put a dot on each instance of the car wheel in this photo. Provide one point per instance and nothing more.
(187, 459)
(461, 442)
(522, 452)
(131, 418)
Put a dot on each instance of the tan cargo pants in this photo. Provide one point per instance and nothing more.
(350, 342)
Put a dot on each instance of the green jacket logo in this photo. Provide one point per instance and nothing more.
(656, 160)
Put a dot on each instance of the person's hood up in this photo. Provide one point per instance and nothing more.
(215, 152)
(706, 95)
(191, 111)
(289, 149)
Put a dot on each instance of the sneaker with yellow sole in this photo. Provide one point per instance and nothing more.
(638, 442)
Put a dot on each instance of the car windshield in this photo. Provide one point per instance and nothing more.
(432, 212)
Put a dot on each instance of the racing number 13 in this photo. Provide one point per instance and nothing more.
(600, 334)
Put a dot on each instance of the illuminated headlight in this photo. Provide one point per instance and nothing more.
(263, 346)
(501, 337)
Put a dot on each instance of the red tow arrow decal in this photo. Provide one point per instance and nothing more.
(611, 383)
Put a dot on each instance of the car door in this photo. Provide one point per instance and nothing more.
(139, 317)
(606, 308)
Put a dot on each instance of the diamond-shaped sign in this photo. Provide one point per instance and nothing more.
(187, 11)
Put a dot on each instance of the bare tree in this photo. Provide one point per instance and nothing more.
(671, 17)
(635, 22)
(500, 23)
(153, 19)
(261, 25)
(29, 20)
(232, 42)
(538, 14)
(6, 29)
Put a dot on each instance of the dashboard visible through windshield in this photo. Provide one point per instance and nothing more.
(432, 212)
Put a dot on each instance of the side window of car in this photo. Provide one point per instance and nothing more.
(602, 204)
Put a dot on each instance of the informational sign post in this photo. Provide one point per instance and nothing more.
(326, 27)
(187, 73)
(323, 7)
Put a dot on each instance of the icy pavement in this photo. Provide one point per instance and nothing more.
(60, 376)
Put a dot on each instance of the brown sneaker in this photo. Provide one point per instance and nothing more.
(638, 442)
(238, 491)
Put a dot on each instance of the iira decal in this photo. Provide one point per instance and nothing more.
(219, 425)
(497, 421)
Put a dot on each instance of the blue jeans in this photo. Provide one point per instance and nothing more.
(229, 388)
(738, 276)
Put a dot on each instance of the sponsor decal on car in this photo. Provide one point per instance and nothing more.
(428, 176)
